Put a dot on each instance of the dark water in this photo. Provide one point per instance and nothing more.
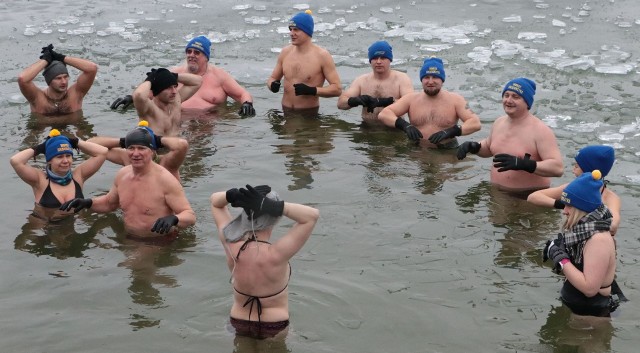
(415, 251)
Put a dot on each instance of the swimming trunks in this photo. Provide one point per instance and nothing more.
(258, 330)
(49, 200)
(251, 299)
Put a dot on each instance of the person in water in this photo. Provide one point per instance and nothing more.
(59, 182)
(584, 251)
(260, 270)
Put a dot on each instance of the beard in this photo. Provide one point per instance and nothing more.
(432, 92)
(193, 67)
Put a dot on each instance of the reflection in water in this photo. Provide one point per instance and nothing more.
(60, 239)
(198, 129)
(566, 332)
(39, 126)
(307, 134)
(277, 344)
(144, 260)
(436, 167)
(525, 226)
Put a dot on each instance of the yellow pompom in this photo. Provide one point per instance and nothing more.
(596, 174)
(308, 12)
(54, 133)
(143, 123)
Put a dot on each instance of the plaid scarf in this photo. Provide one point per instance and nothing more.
(574, 239)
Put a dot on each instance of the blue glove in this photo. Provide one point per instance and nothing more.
(164, 224)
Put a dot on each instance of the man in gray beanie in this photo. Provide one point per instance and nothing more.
(59, 97)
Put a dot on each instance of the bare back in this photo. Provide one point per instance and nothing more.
(258, 272)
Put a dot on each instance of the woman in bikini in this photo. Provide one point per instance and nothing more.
(584, 251)
(59, 182)
(260, 270)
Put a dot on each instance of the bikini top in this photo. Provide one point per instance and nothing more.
(253, 298)
(49, 200)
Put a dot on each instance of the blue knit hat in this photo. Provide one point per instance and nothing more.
(583, 192)
(524, 87)
(432, 67)
(380, 49)
(303, 21)
(200, 43)
(596, 157)
(56, 145)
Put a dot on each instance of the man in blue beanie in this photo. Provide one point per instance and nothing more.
(217, 84)
(305, 67)
(524, 150)
(433, 112)
(59, 97)
(379, 88)
(588, 159)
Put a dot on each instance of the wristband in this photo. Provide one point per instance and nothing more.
(563, 262)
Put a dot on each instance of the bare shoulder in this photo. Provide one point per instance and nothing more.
(219, 72)
(400, 75)
(286, 50)
(165, 177)
(179, 69)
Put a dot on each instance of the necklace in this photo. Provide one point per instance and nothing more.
(55, 102)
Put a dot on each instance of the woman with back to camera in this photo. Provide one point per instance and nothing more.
(260, 270)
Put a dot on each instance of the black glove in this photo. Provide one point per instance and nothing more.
(164, 224)
(122, 142)
(558, 204)
(232, 195)
(74, 142)
(304, 90)
(255, 201)
(506, 162)
(383, 102)
(453, 131)
(158, 141)
(125, 102)
(466, 147)
(57, 56)
(77, 204)
(412, 132)
(275, 86)
(46, 54)
(39, 149)
(363, 100)
(247, 109)
(555, 250)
